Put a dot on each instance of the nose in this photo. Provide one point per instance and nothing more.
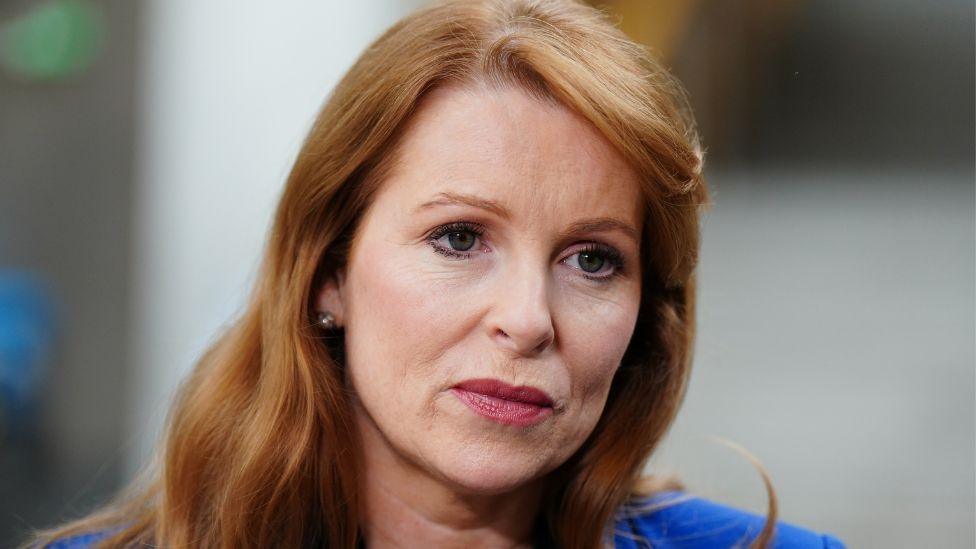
(520, 320)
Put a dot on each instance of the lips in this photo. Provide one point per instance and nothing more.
(503, 403)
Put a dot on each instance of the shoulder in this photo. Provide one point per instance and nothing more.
(676, 520)
(80, 541)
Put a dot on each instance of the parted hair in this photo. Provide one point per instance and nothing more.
(260, 448)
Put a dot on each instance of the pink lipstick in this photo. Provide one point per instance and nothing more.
(498, 401)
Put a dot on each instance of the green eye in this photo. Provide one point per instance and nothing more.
(456, 239)
(590, 262)
(461, 240)
(597, 262)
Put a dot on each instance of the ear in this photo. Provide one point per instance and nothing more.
(329, 297)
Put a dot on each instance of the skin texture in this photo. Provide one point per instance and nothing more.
(516, 307)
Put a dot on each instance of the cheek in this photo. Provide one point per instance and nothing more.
(598, 333)
(401, 318)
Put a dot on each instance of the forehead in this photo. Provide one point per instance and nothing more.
(540, 160)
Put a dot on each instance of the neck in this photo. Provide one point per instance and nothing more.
(405, 506)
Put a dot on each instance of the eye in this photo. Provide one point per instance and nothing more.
(455, 239)
(597, 261)
(590, 262)
(593, 260)
(461, 240)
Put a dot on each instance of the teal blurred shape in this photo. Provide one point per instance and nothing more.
(52, 40)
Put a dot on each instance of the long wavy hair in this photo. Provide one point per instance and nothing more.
(260, 448)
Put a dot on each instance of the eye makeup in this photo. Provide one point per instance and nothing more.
(610, 255)
(455, 227)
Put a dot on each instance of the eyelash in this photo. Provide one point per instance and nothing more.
(611, 255)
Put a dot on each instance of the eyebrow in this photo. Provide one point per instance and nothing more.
(449, 198)
(594, 224)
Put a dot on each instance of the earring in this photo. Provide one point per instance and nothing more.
(326, 320)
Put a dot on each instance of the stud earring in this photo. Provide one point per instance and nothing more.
(326, 320)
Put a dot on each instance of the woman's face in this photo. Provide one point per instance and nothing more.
(491, 290)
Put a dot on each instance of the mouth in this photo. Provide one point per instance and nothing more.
(498, 401)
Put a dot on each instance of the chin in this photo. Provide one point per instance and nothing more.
(476, 469)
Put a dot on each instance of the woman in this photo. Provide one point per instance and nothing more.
(474, 318)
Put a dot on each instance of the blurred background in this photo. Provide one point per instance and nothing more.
(143, 146)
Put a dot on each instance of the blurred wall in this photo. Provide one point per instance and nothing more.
(66, 168)
(835, 343)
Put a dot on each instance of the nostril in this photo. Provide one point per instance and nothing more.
(522, 324)
(525, 344)
(544, 344)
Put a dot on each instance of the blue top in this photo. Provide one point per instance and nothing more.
(686, 522)
(695, 523)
